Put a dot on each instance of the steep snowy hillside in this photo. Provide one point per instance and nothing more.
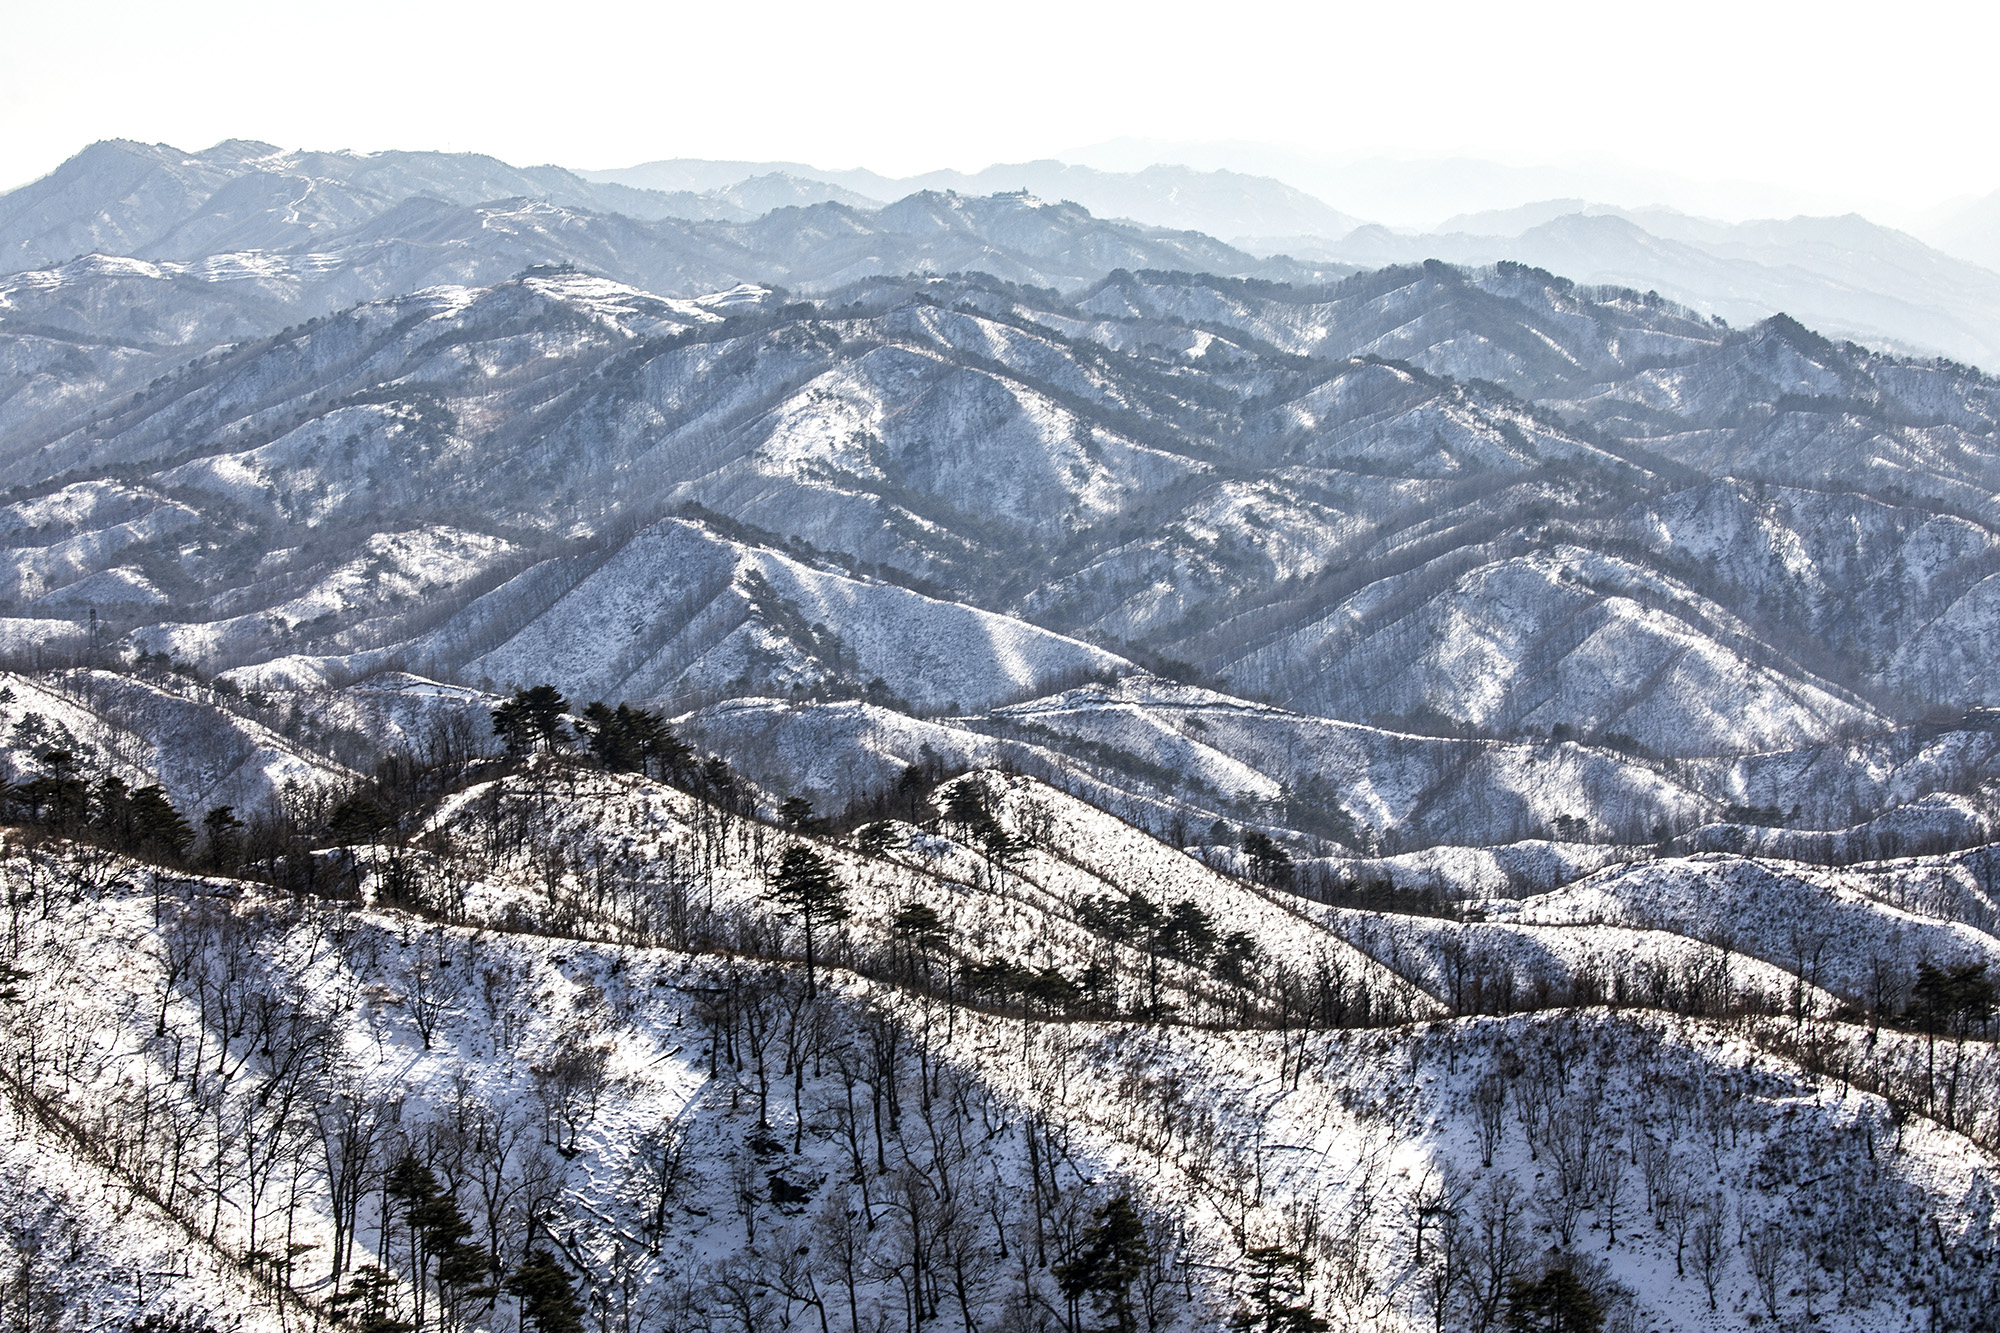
(165, 730)
(546, 1033)
(1164, 755)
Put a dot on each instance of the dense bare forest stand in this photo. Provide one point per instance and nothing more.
(590, 1034)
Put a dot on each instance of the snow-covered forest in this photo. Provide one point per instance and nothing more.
(559, 1023)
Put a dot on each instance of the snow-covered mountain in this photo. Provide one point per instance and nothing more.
(1222, 203)
(1492, 500)
(1440, 777)
(1845, 276)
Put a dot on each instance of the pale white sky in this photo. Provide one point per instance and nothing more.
(1884, 109)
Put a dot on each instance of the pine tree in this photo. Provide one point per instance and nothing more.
(919, 929)
(1002, 848)
(111, 812)
(547, 1299)
(806, 886)
(223, 832)
(60, 796)
(966, 806)
(1113, 1256)
(357, 819)
(1952, 1001)
(157, 826)
(531, 720)
(609, 737)
(1189, 933)
(365, 1303)
(719, 784)
(632, 740)
(1269, 863)
(413, 1185)
(1558, 1303)
(461, 1264)
(1276, 1303)
(1050, 989)
(873, 839)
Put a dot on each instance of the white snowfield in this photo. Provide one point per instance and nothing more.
(1460, 815)
(1839, 929)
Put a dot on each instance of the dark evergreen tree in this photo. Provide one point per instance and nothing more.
(919, 930)
(532, 720)
(633, 740)
(1269, 863)
(365, 1305)
(158, 829)
(718, 783)
(1558, 1303)
(1952, 1001)
(1002, 848)
(1050, 991)
(111, 813)
(806, 887)
(966, 807)
(59, 796)
(997, 976)
(461, 1266)
(1188, 933)
(873, 839)
(1276, 1302)
(1236, 956)
(223, 832)
(440, 1237)
(1113, 1255)
(548, 1301)
(357, 819)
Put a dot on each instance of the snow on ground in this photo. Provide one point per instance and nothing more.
(1818, 923)
(1346, 1141)
(679, 608)
(116, 725)
(74, 1235)
(393, 572)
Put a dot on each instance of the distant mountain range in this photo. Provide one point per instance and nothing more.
(443, 212)
(519, 439)
(1970, 230)
(1221, 203)
(1846, 275)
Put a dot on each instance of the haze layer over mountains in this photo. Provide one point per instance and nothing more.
(1843, 275)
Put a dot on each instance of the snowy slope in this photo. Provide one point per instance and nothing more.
(677, 1156)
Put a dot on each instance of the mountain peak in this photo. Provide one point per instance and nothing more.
(239, 152)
